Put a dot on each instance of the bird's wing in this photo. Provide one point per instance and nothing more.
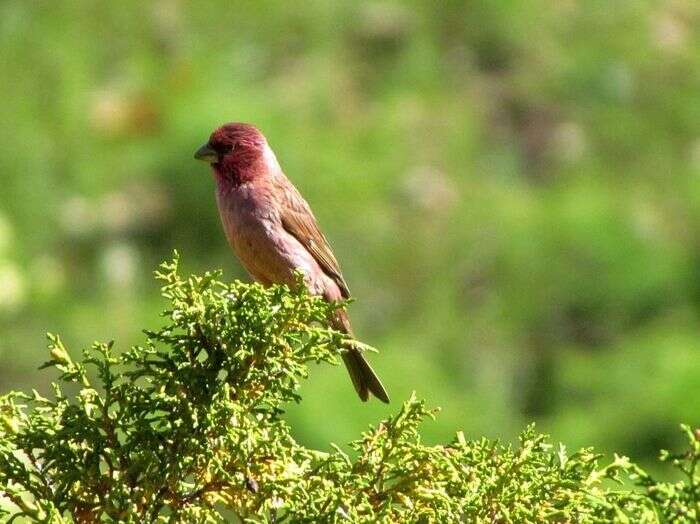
(299, 221)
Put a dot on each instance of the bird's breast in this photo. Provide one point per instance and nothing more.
(254, 231)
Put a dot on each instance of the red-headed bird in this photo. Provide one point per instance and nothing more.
(273, 232)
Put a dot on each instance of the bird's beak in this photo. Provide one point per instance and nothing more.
(206, 154)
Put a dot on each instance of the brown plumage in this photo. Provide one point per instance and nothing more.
(273, 231)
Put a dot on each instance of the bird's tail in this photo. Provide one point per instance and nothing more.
(363, 376)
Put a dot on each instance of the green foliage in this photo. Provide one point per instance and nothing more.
(512, 189)
(189, 428)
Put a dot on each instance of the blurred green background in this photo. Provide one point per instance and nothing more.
(512, 188)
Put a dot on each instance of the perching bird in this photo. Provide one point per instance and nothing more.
(274, 233)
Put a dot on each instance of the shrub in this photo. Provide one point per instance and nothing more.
(189, 428)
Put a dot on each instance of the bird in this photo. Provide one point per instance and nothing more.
(274, 233)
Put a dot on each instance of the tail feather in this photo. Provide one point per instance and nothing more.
(363, 376)
(361, 373)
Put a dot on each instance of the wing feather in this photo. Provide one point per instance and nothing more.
(299, 221)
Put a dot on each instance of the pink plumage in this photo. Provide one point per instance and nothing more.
(273, 231)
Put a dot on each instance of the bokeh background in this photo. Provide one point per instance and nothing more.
(512, 188)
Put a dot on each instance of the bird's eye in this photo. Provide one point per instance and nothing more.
(222, 149)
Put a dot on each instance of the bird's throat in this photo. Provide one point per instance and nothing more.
(231, 178)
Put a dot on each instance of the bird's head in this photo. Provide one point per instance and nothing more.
(233, 149)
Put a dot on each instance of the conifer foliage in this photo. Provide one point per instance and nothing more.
(189, 427)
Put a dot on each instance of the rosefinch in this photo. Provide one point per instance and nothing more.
(273, 232)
